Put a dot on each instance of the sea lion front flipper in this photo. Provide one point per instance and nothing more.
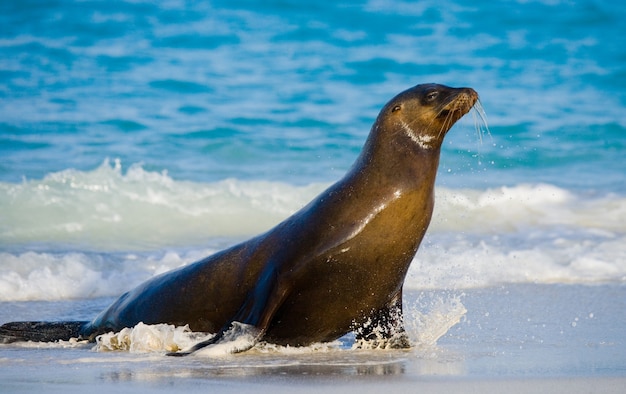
(250, 323)
(236, 338)
(384, 329)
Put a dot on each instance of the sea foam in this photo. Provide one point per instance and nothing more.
(106, 209)
(86, 234)
(111, 210)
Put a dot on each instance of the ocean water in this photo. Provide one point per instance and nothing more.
(138, 136)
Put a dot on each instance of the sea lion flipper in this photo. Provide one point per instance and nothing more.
(267, 296)
(39, 331)
(251, 322)
(385, 328)
(236, 337)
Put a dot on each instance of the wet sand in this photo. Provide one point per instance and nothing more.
(515, 338)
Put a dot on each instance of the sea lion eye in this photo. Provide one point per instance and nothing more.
(396, 108)
(430, 96)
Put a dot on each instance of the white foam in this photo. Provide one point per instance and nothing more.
(52, 276)
(462, 261)
(161, 338)
(428, 320)
(240, 337)
(507, 209)
(144, 338)
(107, 209)
(99, 233)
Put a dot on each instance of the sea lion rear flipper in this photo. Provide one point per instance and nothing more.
(41, 331)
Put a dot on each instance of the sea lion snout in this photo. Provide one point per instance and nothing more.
(463, 101)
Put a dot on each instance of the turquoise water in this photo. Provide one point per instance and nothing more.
(139, 136)
(287, 91)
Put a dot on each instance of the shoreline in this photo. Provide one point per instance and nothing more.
(522, 338)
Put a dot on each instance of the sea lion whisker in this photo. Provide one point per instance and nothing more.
(448, 116)
(480, 120)
(446, 124)
(477, 127)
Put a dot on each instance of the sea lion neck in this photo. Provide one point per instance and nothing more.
(392, 156)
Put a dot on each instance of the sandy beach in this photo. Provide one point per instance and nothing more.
(514, 338)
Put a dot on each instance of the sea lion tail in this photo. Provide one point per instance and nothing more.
(38, 331)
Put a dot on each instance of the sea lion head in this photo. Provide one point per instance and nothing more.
(425, 113)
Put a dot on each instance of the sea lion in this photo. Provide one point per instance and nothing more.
(335, 266)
